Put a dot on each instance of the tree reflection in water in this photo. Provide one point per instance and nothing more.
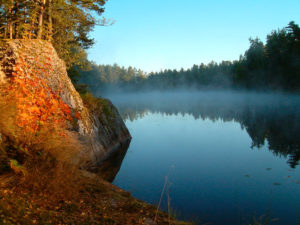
(267, 118)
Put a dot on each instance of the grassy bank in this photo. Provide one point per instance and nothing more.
(95, 202)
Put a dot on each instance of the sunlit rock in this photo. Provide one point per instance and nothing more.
(103, 133)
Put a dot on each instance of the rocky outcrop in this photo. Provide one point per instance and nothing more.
(101, 133)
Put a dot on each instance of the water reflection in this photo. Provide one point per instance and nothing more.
(267, 118)
(110, 167)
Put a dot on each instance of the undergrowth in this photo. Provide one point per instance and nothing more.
(38, 152)
(42, 162)
(101, 108)
(96, 105)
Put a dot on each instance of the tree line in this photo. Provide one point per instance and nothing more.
(270, 121)
(66, 23)
(109, 77)
(274, 65)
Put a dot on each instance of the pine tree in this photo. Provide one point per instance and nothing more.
(66, 23)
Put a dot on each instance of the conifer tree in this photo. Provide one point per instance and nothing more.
(66, 23)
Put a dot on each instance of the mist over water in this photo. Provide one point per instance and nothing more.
(230, 156)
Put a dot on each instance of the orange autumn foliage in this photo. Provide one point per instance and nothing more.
(38, 146)
(36, 103)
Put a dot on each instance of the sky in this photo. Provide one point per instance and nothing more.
(172, 34)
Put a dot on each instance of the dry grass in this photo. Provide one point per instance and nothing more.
(45, 161)
(96, 105)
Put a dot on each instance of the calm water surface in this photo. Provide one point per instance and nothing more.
(228, 157)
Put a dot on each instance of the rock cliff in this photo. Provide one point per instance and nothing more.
(102, 133)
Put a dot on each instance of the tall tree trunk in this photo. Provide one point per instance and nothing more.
(41, 16)
(5, 33)
(10, 30)
(50, 21)
(10, 20)
(32, 28)
(25, 22)
(16, 23)
(32, 20)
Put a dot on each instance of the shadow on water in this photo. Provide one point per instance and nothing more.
(271, 118)
(110, 167)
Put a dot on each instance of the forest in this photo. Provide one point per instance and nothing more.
(66, 24)
(274, 65)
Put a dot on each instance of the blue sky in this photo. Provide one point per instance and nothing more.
(172, 34)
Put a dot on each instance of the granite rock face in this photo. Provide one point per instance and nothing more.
(103, 133)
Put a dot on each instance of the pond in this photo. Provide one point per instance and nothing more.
(223, 157)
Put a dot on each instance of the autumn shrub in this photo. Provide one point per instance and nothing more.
(95, 105)
(36, 145)
(98, 106)
(48, 164)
